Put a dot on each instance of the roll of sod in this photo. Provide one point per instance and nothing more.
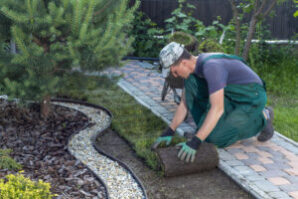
(206, 159)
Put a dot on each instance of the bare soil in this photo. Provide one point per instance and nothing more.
(212, 184)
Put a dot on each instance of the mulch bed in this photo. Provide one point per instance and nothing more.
(41, 147)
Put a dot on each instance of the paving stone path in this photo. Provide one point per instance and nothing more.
(266, 170)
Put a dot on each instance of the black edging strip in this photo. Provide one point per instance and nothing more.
(93, 140)
(141, 58)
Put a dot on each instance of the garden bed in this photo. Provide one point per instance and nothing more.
(40, 146)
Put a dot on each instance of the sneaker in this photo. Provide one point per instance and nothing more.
(268, 131)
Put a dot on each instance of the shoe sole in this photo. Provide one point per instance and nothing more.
(262, 138)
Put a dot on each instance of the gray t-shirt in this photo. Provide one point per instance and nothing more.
(221, 72)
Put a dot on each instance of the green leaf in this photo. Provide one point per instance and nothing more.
(181, 15)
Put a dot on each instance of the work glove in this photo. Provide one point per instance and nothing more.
(189, 149)
(166, 136)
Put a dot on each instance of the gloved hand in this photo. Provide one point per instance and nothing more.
(189, 149)
(166, 136)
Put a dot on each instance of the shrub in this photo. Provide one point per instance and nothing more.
(189, 41)
(17, 186)
(145, 32)
(210, 45)
(7, 162)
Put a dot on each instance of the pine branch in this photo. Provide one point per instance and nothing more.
(87, 19)
(105, 6)
(78, 9)
(17, 35)
(43, 42)
(14, 16)
(29, 8)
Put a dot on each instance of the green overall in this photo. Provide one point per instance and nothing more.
(243, 106)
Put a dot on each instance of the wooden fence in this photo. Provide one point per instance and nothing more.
(282, 26)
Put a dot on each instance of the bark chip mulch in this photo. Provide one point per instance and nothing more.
(41, 147)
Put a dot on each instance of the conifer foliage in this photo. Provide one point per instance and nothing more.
(52, 36)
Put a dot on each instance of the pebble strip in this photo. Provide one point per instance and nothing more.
(119, 181)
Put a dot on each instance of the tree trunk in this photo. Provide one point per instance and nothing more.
(206, 159)
(252, 27)
(237, 27)
(45, 107)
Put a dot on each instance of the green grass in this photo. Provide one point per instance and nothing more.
(285, 114)
(282, 89)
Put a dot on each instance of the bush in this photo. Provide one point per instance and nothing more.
(189, 41)
(145, 32)
(17, 186)
(210, 45)
(7, 162)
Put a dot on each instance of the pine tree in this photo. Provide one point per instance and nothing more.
(52, 36)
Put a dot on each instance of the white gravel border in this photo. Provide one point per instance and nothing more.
(119, 182)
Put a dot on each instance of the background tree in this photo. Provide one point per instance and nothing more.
(296, 12)
(259, 10)
(52, 36)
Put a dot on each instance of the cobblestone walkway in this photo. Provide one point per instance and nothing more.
(266, 170)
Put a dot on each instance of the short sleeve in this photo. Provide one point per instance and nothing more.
(216, 75)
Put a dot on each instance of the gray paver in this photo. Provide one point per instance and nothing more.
(289, 187)
(225, 155)
(168, 115)
(266, 186)
(252, 155)
(277, 165)
(293, 179)
(235, 163)
(277, 154)
(234, 150)
(285, 144)
(254, 177)
(250, 161)
(273, 173)
(244, 170)
(279, 195)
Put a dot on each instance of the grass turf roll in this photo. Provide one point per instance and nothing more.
(206, 159)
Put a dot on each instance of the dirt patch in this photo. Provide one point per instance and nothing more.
(41, 147)
(212, 184)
